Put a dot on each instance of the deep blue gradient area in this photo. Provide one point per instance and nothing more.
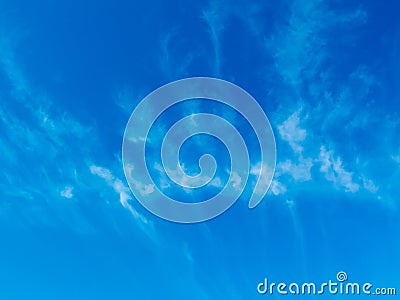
(327, 75)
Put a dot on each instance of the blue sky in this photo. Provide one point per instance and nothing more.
(71, 73)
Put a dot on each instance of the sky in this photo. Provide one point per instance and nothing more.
(326, 73)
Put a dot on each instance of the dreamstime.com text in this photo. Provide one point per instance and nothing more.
(340, 286)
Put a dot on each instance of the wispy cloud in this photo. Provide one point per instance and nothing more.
(214, 17)
(300, 45)
(300, 171)
(369, 185)
(144, 189)
(277, 187)
(45, 150)
(296, 166)
(175, 67)
(124, 196)
(332, 168)
(67, 192)
(291, 132)
(327, 109)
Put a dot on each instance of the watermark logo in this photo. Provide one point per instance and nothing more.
(341, 276)
(153, 106)
(340, 286)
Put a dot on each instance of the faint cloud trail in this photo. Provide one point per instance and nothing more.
(214, 18)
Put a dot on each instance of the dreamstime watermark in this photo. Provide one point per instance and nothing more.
(154, 105)
(340, 286)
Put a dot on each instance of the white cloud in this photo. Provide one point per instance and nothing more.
(120, 188)
(236, 180)
(256, 170)
(300, 171)
(144, 189)
(299, 168)
(67, 192)
(216, 182)
(291, 132)
(140, 139)
(277, 187)
(290, 203)
(370, 185)
(102, 172)
(334, 171)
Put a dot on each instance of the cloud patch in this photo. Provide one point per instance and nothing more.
(120, 188)
(291, 132)
(67, 192)
(334, 171)
(300, 171)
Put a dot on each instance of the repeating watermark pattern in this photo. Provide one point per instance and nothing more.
(156, 103)
(340, 286)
